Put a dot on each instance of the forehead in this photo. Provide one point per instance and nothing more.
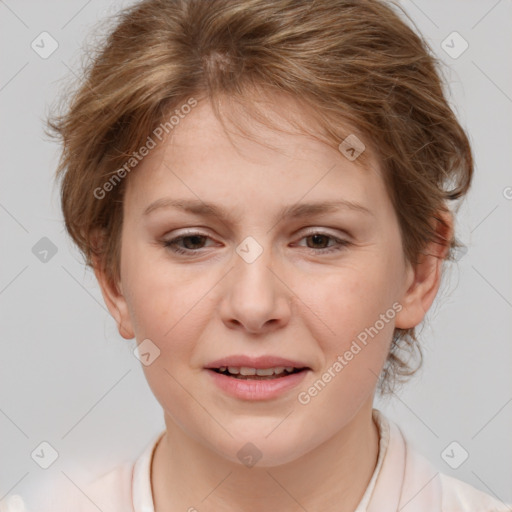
(251, 163)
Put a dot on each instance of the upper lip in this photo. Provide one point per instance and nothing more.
(239, 361)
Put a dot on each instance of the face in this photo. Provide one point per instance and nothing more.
(255, 280)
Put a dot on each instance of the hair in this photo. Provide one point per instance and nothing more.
(356, 63)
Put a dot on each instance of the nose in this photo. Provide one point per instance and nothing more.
(256, 298)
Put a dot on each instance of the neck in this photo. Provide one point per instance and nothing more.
(331, 478)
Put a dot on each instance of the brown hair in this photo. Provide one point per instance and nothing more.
(355, 62)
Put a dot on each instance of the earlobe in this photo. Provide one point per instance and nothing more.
(424, 278)
(114, 300)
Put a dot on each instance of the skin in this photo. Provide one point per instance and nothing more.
(293, 301)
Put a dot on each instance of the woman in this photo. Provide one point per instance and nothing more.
(210, 148)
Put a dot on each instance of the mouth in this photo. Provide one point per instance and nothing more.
(246, 373)
(266, 377)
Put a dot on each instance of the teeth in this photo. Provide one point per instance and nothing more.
(262, 372)
(247, 371)
(268, 371)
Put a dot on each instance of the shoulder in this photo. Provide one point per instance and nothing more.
(408, 480)
(453, 495)
(110, 492)
(460, 496)
(122, 489)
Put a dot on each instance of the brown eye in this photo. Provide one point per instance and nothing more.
(316, 239)
(191, 243)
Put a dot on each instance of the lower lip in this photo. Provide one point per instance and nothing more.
(252, 389)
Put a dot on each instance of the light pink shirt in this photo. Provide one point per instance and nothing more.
(403, 480)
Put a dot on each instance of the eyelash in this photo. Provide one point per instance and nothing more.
(171, 244)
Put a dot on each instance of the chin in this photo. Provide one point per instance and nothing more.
(259, 451)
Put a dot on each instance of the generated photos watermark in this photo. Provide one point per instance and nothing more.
(158, 133)
(361, 341)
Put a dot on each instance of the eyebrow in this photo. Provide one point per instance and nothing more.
(300, 210)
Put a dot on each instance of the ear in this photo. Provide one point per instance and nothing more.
(113, 296)
(424, 277)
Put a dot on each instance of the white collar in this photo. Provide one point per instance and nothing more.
(142, 496)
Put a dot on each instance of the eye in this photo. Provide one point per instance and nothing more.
(194, 241)
(320, 238)
(190, 240)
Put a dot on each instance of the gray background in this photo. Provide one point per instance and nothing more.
(68, 378)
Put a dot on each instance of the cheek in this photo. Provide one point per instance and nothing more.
(151, 294)
(354, 313)
(167, 303)
(354, 329)
(161, 301)
(351, 298)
